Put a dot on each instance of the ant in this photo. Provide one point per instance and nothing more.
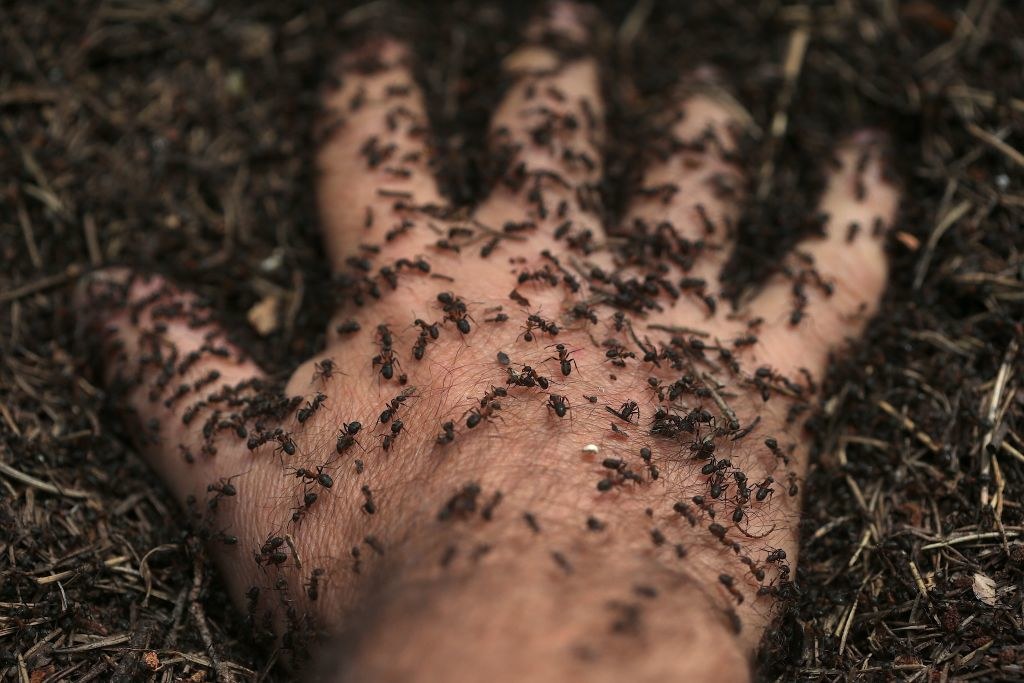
(757, 572)
(427, 331)
(793, 487)
(715, 466)
(311, 407)
(764, 489)
(683, 509)
(224, 487)
(319, 476)
(484, 413)
(313, 587)
(730, 585)
(270, 552)
(394, 404)
(308, 498)
(386, 358)
(455, 310)
(527, 377)
(347, 436)
(535, 322)
(286, 445)
(324, 369)
(396, 429)
(626, 412)
(348, 327)
(448, 433)
(565, 360)
(559, 404)
(369, 507)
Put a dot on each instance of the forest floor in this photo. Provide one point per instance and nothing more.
(177, 135)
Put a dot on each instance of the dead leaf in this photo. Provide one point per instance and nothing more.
(985, 589)
(264, 316)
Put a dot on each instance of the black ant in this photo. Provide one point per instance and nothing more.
(559, 404)
(347, 436)
(308, 498)
(270, 552)
(683, 509)
(386, 358)
(427, 331)
(764, 489)
(447, 434)
(730, 585)
(527, 377)
(311, 407)
(224, 487)
(715, 466)
(286, 445)
(626, 412)
(394, 404)
(348, 327)
(475, 416)
(389, 439)
(313, 587)
(324, 369)
(564, 359)
(369, 507)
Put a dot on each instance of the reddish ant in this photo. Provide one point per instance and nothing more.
(320, 477)
(455, 310)
(730, 585)
(535, 322)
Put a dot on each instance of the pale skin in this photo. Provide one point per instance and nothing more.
(578, 572)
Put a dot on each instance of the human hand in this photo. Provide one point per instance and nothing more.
(595, 535)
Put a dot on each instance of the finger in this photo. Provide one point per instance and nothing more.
(189, 392)
(692, 189)
(375, 163)
(547, 134)
(837, 279)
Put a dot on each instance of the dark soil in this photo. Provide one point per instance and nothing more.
(177, 135)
